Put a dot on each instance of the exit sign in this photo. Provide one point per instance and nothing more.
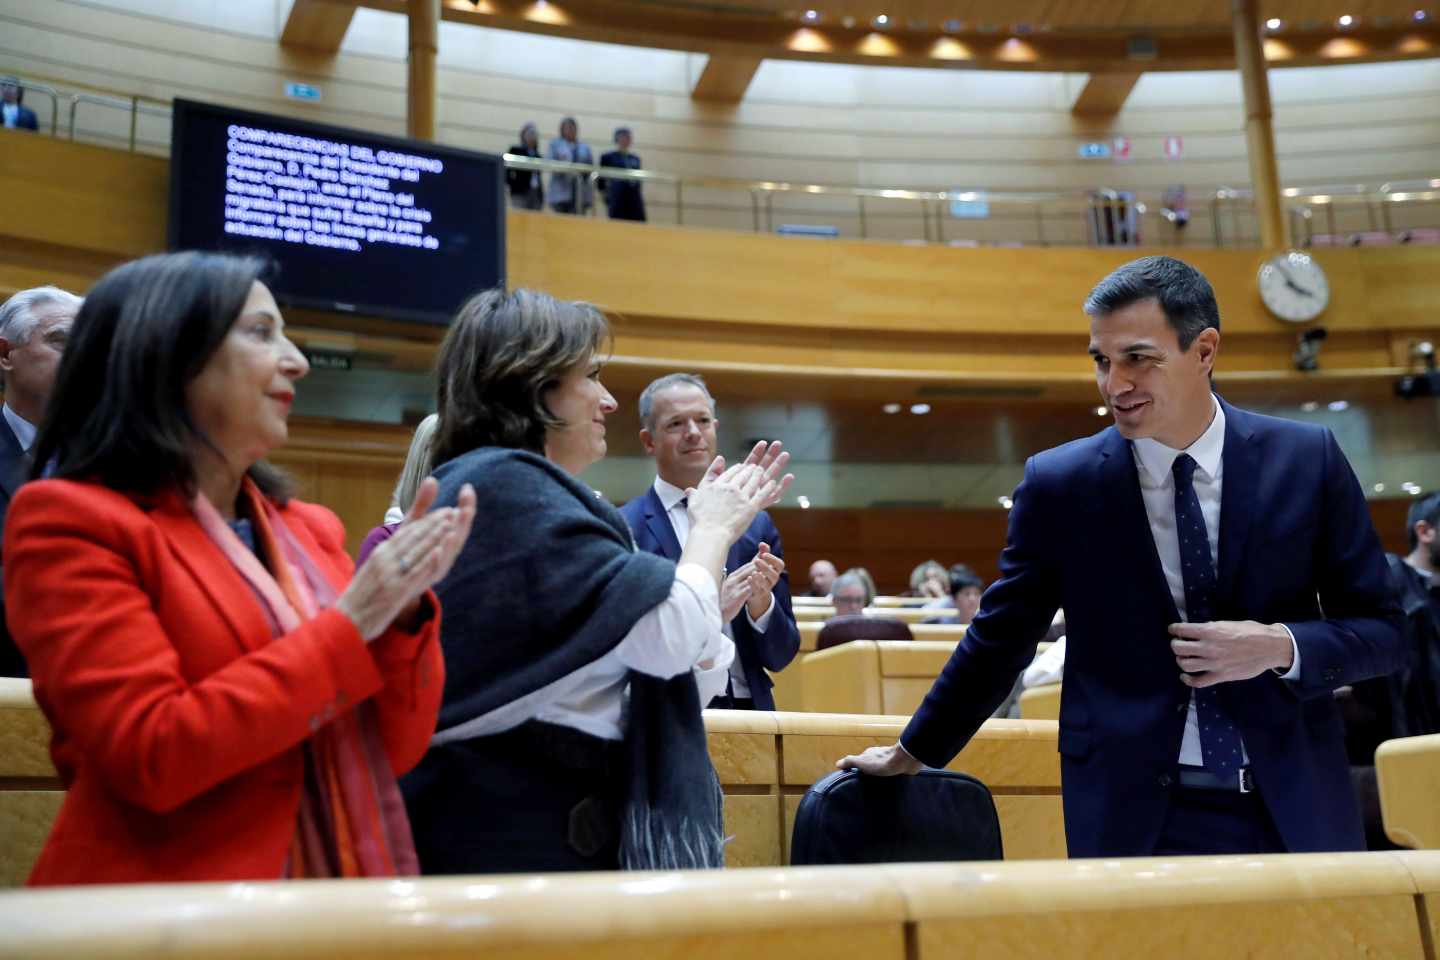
(302, 91)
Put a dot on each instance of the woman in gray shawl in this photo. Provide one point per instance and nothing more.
(569, 736)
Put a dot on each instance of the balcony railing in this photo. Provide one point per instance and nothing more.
(1355, 214)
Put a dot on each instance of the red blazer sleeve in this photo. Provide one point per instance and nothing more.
(136, 667)
(412, 664)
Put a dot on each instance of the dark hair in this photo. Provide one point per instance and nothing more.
(1184, 294)
(962, 576)
(619, 131)
(1427, 510)
(117, 412)
(502, 353)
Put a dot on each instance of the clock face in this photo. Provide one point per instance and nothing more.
(1293, 286)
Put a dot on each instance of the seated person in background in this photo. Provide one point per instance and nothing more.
(527, 189)
(14, 115)
(412, 474)
(570, 735)
(34, 325)
(1047, 667)
(1405, 703)
(962, 574)
(822, 575)
(929, 580)
(965, 590)
(624, 199)
(227, 702)
(851, 622)
(867, 580)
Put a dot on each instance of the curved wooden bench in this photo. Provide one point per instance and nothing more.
(30, 791)
(1355, 905)
(1041, 703)
(1408, 771)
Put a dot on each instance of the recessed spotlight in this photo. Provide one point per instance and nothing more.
(892, 408)
(811, 16)
(1274, 23)
(1005, 502)
(1346, 20)
(919, 408)
(1309, 406)
(1378, 488)
(1101, 411)
(1338, 405)
(1418, 15)
(955, 26)
(804, 502)
(847, 22)
(881, 20)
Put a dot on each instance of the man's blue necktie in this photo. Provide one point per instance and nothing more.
(1219, 737)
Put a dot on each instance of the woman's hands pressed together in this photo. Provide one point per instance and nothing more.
(388, 588)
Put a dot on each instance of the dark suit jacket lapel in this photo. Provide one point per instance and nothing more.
(658, 523)
(232, 596)
(1239, 488)
(1125, 516)
(12, 461)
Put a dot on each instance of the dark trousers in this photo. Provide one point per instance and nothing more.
(724, 701)
(1217, 821)
(540, 798)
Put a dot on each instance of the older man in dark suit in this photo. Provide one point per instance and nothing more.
(34, 325)
(679, 425)
(1220, 579)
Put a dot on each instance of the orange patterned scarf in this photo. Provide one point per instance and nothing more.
(352, 819)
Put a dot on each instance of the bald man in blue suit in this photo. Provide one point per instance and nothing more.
(1220, 579)
(678, 428)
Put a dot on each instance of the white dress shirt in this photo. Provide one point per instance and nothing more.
(675, 636)
(670, 497)
(1154, 462)
(23, 429)
(10, 114)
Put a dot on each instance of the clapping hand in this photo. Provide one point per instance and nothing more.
(387, 590)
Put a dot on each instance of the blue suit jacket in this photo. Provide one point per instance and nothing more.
(12, 473)
(773, 649)
(1295, 538)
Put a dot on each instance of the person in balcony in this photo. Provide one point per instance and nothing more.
(527, 190)
(624, 199)
(570, 192)
(227, 701)
(14, 115)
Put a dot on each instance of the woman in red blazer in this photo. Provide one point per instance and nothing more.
(227, 702)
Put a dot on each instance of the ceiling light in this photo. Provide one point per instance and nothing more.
(955, 26)
(1274, 23)
(892, 408)
(1309, 406)
(1101, 411)
(804, 502)
(1411, 488)
(1419, 15)
(1379, 488)
(1346, 20)
(919, 408)
(811, 16)
(847, 22)
(881, 20)
(1337, 405)
(1006, 502)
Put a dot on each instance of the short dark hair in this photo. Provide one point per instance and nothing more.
(1184, 295)
(962, 576)
(502, 353)
(1424, 510)
(117, 412)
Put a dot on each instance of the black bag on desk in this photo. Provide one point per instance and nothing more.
(934, 815)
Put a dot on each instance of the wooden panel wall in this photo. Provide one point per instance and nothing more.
(800, 122)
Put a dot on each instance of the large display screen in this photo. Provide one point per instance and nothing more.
(357, 222)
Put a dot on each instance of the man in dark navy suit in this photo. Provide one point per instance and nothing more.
(34, 325)
(678, 424)
(1220, 578)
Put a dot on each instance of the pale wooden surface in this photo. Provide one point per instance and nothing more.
(1408, 771)
(1041, 703)
(1357, 905)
